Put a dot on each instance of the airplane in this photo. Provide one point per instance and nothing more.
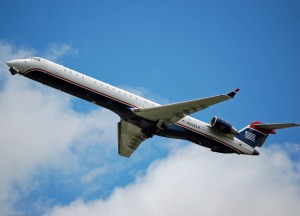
(141, 119)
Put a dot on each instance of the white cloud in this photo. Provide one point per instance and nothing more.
(93, 174)
(38, 126)
(193, 181)
(8, 52)
(57, 50)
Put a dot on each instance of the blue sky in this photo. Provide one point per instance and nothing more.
(63, 160)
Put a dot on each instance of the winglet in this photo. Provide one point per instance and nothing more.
(233, 93)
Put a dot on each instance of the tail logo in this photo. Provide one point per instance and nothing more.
(250, 136)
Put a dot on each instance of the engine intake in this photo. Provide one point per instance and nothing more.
(223, 126)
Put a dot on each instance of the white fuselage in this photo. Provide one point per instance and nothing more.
(50, 72)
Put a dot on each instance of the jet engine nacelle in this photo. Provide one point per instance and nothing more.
(222, 126)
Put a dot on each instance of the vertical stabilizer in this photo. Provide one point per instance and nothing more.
(252, 136)
(256, 133)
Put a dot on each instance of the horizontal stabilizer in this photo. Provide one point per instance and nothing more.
(276, 126)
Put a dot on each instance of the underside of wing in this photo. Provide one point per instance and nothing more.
(171, 113)
(129, 138)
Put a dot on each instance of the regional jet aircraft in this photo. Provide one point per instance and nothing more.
(141, 119)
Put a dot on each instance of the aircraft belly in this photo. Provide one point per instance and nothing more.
(178, 132)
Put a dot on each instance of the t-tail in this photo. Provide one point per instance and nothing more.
(256, 133)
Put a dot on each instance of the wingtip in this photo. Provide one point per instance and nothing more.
(295, 124)
(233, 93)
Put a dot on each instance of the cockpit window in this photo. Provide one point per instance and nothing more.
(36, 58)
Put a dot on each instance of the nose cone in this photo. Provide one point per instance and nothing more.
(17, 64)
(255, 152)
(11, 63)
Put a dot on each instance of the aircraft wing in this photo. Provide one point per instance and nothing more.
(171, 113)
(129, 138)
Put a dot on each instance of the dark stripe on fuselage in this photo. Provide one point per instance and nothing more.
(122, 109)
(76, 89)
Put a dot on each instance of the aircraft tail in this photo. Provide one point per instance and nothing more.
(256, 133)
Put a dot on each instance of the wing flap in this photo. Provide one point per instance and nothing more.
(129, 138)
